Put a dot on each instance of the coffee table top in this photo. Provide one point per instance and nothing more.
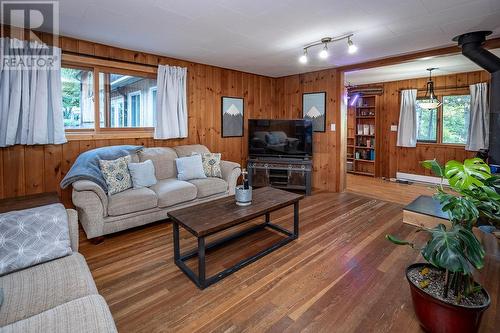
(213, 216)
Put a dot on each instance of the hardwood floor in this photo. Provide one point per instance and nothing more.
(341, 275)
(386, 190)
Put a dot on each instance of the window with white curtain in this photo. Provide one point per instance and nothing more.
(447, 124)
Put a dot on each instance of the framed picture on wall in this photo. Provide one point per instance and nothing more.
(232, 116)
(314, 109)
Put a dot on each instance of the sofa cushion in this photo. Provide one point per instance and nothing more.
(163, 159)
(82, 315)
(42, 287)
(188, 150)
(172, 191)
(32, 236)
(132, 200)
(209, 186)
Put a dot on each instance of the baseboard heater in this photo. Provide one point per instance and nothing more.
(419, 178)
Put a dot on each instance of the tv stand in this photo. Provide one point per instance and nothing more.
(280, 172)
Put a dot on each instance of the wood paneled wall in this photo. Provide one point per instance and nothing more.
(391, 158)
(34, 169)
(328, 172)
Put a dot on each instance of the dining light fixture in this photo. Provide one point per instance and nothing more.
(323, 54)
(430, 100)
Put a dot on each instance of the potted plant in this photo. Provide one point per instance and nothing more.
(445, 296)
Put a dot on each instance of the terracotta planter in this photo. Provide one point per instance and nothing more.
(436, 316)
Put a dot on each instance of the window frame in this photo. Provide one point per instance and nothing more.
(107, 66)
(439, 124)
(151, 92)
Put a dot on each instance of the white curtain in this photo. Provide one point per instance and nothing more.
(479, 124)
(407, 129)
(30, 97)
(171, 107)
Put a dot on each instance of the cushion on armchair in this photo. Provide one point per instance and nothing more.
(33, 236)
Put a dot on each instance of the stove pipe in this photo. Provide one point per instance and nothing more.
(472, 47)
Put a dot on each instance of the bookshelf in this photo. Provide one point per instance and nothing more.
(362, 133)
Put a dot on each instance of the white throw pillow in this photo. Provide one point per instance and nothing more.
(143, 174)
(190, 167)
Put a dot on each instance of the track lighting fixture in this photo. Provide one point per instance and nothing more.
(323, 54)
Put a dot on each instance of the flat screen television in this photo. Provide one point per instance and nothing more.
(280, 138)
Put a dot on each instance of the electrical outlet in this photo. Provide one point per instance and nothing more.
(332, 127)
(394, 128)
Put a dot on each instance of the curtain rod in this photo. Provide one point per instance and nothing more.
(438, 88)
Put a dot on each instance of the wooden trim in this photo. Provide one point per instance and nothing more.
(81, 136)
(98, 62)
(443, 51)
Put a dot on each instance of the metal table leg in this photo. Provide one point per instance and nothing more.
(201, 261)
(177, 251)
(296, 220)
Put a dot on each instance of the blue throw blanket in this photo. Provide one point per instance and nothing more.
(86, 166)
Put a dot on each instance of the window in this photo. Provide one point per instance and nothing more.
(456, 115)
(426, 124)
(134, 102)
(125, 100)
(116, 114)
(77, 97)
(449, 124)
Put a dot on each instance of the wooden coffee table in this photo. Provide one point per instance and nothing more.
(215, 216)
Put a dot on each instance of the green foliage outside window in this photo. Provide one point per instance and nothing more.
(456, 112)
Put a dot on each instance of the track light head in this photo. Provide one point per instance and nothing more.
(324, 53)
(352, 48)
(303, 58)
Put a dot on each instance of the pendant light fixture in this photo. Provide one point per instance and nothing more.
(430, 100)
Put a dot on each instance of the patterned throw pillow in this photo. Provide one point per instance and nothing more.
(116, 174)
(211, 164)
(33, 236)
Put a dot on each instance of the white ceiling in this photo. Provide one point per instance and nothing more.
(266, 37)
(445, 65)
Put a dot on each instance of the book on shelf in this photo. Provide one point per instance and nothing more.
(366, 129)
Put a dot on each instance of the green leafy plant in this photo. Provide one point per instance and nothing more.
(473, 191)
(456, 250)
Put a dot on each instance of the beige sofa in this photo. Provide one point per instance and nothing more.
(101, 214)
(58, 296)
